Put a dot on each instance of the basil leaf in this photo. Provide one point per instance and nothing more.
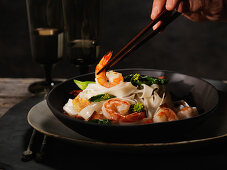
(82, 84)
(101, 97)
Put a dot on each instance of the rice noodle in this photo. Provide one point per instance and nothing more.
(146, 94)
(123, 89)
(87, 112)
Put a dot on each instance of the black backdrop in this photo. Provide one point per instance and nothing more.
(198, 49)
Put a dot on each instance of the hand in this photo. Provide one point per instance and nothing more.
(195, 10)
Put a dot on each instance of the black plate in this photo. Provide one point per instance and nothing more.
(196, 91)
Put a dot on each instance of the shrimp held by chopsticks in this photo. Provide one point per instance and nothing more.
(107, 79)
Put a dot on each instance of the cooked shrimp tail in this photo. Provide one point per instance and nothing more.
(164, 115)
(110, 78)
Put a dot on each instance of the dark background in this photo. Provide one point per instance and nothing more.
(198, 49)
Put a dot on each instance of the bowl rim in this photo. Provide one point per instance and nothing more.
(60, 114)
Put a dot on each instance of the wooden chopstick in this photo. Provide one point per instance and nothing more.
(141, 33)
(117, 57)
(149, 36)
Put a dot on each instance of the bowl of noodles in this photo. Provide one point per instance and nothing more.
(133, 105)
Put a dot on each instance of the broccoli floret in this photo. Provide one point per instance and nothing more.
(135, 80)
(138, 107)
(106, 96)
(136, 77)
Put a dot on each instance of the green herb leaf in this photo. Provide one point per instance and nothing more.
(82, 84)
(101, 121)
(101, 97)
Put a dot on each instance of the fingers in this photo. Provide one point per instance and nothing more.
(172, 4)
(158, 6)
(180, 7)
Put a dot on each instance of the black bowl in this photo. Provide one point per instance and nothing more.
(195, 91)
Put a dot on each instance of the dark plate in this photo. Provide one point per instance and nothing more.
(196, 91)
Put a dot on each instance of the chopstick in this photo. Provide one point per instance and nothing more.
(118, 58)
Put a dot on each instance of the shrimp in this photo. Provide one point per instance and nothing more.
(165, 114)
(118, 109)
(187, 112)
(108, 79)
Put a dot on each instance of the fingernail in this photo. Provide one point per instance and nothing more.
(155, 26)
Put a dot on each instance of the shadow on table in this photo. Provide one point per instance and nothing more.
(59, 154)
